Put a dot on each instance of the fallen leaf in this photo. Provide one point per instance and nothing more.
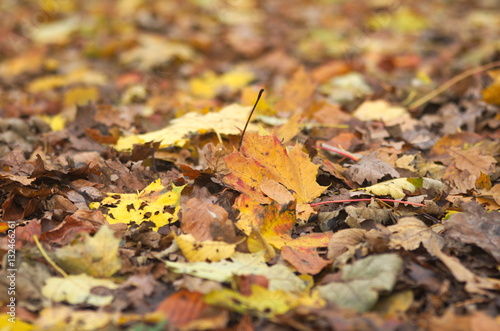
(154, 50)
(343, 239)
(228, 121)
(147, 205)
(76, 289)
(262, 300)
(280, 277)
(410, 232)
(306, 261)
(362, 281)
(184, 307)
(96, 256)
(209, 85)
(379, 110)
(297, 93)
(207, 250)
(372, 169)
(264, 158)
(476, 226)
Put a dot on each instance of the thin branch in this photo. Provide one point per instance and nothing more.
(434, 93)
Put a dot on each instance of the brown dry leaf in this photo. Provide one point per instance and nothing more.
(96, 256)
(441, 149)
(342, 240)
(473, 282)
(410, 232)
(264, 158)
(372, 169)
(477, 321)
(276, 191)
(184, 308)
(306, 261)
(473, 161)
(202, 251)
(476, 226)
(297, 93)
(198, 216)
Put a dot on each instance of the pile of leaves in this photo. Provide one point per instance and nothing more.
(363, 196)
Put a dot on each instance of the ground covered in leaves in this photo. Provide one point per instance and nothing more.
(364, 195)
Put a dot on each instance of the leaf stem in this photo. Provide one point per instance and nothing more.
(47, 257)
(249, 117)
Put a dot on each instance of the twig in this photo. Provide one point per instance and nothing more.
(332, 149)
(426, 98)
(47, 257)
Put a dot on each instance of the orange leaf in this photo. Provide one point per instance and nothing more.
(305, 260)
(264, 158)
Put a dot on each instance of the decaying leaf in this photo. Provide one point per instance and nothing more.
(476, 226)
(362, 281)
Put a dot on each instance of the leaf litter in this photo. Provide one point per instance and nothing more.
(363, 196)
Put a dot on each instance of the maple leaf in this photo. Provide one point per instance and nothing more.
(96, 256)
(226, 121)
(272, 225)
(147, 205)
(476, 226)
(264, 158)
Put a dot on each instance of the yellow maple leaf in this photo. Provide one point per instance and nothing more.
(147, 205)
(96, 256)
(227, 121)
(201, 251)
